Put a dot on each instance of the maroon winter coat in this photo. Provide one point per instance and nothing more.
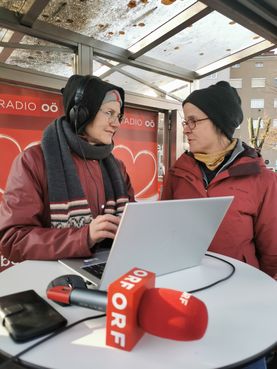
(25, 231)
(249, 230)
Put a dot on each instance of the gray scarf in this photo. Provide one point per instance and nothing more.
(68, 205)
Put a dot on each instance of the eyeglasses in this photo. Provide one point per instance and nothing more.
(113, 117)
(191, 122)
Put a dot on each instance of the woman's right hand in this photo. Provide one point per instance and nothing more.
(103, 226)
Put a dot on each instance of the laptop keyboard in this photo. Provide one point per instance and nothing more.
(96, 270)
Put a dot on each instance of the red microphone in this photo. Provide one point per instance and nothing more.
(134, 306)
(172, 314)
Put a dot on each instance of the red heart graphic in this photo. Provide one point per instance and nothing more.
(142, 169)
(11, 148)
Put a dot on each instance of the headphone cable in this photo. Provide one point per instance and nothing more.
(86, 164)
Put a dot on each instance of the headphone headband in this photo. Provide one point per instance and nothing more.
(81, 90)
(79, 113)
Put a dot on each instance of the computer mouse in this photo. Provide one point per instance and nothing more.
(68, 280)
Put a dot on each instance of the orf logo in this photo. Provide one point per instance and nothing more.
(124, 295)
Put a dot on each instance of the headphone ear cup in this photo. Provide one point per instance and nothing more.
(78, 115)
(83, 115)
(73, 114)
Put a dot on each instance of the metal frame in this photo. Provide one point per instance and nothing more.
(118, 68)
(235, 58)
(250, 13)
(253, 15)
(170, 28)
(256, 15)
(72, 39)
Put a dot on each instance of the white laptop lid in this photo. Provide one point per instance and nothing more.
(160, 236)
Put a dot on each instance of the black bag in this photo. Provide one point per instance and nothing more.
(26, 316)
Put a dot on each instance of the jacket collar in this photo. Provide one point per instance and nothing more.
(245, 168)
(242, 167)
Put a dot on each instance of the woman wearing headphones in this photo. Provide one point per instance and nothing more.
(63, 196)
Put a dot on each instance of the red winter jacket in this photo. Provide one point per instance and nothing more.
(249, 230)
(25, 231)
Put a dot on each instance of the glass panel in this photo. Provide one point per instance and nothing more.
(121, 23)
(155, 79)
(130, 85)
(2, 33)
(183, 92)
(162, 83)
(42, 56)
(20, 6)
(5, 36)
(207, 40)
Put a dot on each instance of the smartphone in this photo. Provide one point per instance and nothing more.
(26, 315)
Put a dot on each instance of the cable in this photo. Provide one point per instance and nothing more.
(86, 164)
(220, 280)
(16, 357)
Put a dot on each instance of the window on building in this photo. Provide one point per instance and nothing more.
(275, 82)
(274, 123)
(255, 123)
(257, 82)
(275, 103)
(259, 65)
(213, 76)
(236, 66)
(236, 82)
(257, 103)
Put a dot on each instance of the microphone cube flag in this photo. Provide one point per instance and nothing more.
(173, 314)
(124, 296)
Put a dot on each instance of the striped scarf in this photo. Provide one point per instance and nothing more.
(68, 205)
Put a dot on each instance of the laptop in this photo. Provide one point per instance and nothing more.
(159, 236)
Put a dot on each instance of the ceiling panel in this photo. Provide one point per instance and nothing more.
(143, 44)
(40, 55)
(131, 85)
(209, 39)
(20, 6)
(121, 23)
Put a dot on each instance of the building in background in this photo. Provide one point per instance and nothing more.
(256, 83)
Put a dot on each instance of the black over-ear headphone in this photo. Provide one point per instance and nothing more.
(79, 113)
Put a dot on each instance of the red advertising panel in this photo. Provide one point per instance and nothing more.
(24, 113)
(136, 146)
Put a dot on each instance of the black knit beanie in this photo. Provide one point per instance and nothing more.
(90, 92)
(222, 105)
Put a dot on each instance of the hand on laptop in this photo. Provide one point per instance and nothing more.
(103, 226)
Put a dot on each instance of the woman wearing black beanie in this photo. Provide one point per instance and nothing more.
(219, 165)
(64, 195)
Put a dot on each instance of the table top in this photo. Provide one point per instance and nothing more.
(242, 321)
